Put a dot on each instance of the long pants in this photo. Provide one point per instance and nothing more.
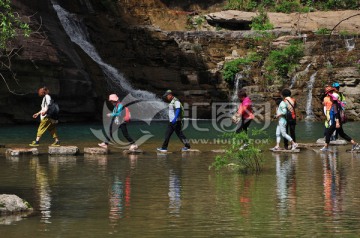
(178, 130)
(340, 131)
(124, 131)
(291, 129)
(281, 131)
(245, 123)
(47, 124)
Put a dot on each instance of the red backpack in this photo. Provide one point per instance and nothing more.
(127, 115)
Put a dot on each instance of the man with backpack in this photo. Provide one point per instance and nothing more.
(120, 116)
(342, 99)
(290, 115)
(175, 116)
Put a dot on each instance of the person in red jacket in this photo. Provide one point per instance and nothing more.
(244, 111)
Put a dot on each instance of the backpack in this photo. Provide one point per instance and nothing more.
(53, 110)
(343, 117)
(181, 108)
(290, 115)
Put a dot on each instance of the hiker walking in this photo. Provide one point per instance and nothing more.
(327, 103)
(175, 116)
(342, 99)
(46, 123)
(120, 116)
(291, 116)
(245, 112)
(336, 123)
(281, 112)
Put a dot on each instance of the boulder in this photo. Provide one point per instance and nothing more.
(21, 151)
(95, 151)
(63, 150)
(11, 204)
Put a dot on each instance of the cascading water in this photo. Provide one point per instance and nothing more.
(298, 75)
(350, 44)
(308, 109)
(237, 86)
(79, 35)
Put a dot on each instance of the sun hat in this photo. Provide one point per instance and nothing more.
(328, 89)
(167, 93)
(113, 97)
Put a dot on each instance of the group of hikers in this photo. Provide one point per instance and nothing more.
(333, 101)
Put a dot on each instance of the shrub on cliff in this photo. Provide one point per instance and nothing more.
(9, 23)
(231, 68)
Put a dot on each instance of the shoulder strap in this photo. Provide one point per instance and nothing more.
(290, 104)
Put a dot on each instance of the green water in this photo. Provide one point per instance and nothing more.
(310, 194)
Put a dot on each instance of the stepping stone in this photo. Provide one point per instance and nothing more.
(96, 151)
(334, 142)
(191, 151)
(219, 151)
(133, 152)
(63, 150)
(304, 145)
(22, 151)
(285, 151)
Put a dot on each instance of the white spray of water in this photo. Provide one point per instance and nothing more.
(79, 35)
(350, 44)
(308, 109)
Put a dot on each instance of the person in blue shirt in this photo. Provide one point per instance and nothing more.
(120, 116)
(175, 116)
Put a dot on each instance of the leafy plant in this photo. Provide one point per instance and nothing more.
(288, 6)
(231, 68)
(9, 23)
(281, 62)
(261, 22)
(323, 31)
(242, 154)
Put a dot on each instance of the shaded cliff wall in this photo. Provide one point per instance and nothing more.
(149, 43)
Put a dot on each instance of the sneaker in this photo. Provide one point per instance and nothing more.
(133, 147)
(276, 148)
(164, 150)
(294, 146)
(185, 149)
(324, 149)
(56, 143)
(355, 147)
(34, 143)
(103, 145)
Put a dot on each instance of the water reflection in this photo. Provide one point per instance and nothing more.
(334, 184)
(120, 193)
(174, 192)
(286, 182)
(43, 190)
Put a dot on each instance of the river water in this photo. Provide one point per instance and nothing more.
(308, 194)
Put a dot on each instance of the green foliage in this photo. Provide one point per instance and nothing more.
(9, 23)
(323, 31)
(242, 153)
(281, 62)
(231, 68)
(288, 6)
(261, 22)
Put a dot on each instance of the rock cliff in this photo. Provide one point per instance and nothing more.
(159, 44)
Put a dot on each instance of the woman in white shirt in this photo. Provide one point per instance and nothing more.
(45, 122)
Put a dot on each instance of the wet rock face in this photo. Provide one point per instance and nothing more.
(163, 55)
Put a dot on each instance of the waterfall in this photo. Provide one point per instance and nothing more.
(298, 75)
(350, 44)
(234, 97)
(309, 112)
(78, 34)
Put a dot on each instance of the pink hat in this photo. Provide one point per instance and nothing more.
(113, 97)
